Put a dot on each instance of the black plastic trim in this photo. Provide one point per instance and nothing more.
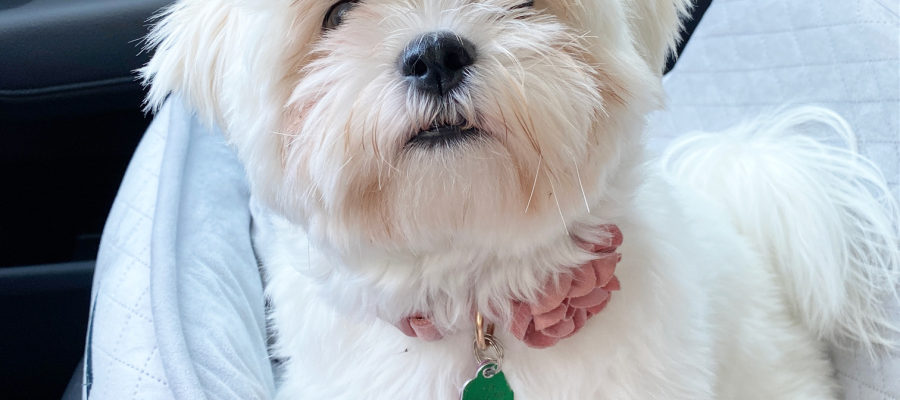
(77, 87)
(42, 278)
(53, 45)
(45, 312)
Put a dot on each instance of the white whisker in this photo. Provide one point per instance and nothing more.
(581, 185)
(534, 184)
(345, 164)
(556, 199)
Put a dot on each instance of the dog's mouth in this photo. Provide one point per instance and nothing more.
(443, 136)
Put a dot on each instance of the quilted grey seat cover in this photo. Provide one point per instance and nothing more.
(178, 308)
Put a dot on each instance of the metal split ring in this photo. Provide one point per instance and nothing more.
(487, 349)
(493, 351)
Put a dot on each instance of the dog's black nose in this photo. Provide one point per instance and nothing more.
(435, 62)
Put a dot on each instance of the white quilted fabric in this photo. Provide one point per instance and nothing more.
(178, 299)
(751, 56)
(123, 354)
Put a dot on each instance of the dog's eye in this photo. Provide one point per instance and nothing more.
(337, 12)
(527, 4)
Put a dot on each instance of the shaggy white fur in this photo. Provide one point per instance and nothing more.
(744, 251)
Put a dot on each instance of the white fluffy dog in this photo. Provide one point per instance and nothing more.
(417, 163)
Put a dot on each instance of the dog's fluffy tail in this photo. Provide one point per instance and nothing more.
(821, 214)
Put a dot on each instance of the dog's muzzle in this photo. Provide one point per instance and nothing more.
(435, 62)
(443, 136)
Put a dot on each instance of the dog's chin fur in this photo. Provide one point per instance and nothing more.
(356, 227)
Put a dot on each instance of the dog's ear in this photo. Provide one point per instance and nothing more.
(190, 40)
(656, 26)
(228, 57)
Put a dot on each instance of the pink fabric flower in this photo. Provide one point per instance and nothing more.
(419, 326)
(562, 309)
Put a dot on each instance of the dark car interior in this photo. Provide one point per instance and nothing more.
(70, 118)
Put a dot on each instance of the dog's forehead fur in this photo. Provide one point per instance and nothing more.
(319, 118)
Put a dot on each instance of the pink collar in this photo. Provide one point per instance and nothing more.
(563, 309)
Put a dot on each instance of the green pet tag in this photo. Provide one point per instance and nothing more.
(489, 384)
